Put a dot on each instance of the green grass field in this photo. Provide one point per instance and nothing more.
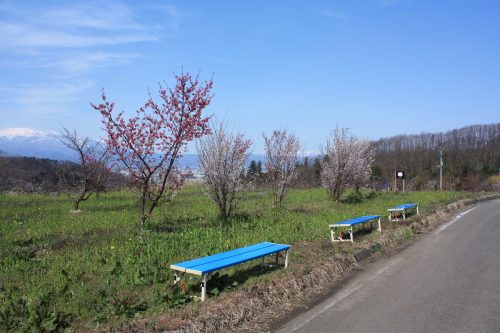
(97, 267)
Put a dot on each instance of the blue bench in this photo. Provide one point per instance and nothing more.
(206, 265)
(350, 224)
(401, 210)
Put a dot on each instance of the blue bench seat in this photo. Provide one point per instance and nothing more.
(350, 224)
(206, 265)
(401, 209)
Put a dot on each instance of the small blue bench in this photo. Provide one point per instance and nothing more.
(206, 265)
(401, 210)
(350, 224)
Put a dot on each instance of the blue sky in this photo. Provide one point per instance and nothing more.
(379, 67)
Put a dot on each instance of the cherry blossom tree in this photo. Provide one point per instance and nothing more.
(222, 157)
(362, 168)
(282, 150)
(94, 170)
(348, 160)
(149, 143)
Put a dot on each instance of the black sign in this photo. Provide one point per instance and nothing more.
(400, 174)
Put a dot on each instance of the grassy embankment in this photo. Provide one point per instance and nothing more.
(58, 268)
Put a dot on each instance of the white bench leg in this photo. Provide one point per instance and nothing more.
(203, 287)
(379, 225)
(352, 235)
(417, 210)
(286, 258)
(332, 232)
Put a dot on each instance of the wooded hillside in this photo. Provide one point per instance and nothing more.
(470, 155)
(41, 175)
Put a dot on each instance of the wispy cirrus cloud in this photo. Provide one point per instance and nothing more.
(100, 31)
(28, 36)
(333, 14)
(81, 63)
(110, 16)
(36, 95)
(63, 44)
(80, 26)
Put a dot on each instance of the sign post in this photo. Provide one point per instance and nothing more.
(399, 175)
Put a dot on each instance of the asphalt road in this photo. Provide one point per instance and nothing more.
(448, 281)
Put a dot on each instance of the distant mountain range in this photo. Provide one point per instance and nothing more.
(33, 143)
(45, 144)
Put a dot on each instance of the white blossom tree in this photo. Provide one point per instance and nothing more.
(282, 150)
(222, 156)
(348, 160)
(362, 169)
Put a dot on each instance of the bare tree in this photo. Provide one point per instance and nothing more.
(348, 161)
(93, 159)
(222, 157)
(282, 150)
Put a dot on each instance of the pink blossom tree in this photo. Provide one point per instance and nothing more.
(222, 157)
(94, 169)
(149, 143)
(348, 161)
(282, 150)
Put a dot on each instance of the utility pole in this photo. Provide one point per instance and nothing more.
(440, 166)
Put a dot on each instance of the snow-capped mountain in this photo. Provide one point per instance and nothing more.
(45, 144)
(33, 143)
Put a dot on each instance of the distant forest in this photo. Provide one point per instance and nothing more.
(41, 175)
(470, 154)
(471, 157)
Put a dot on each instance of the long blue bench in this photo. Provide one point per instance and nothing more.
(206, 265)
(350, 224)
(401, 209)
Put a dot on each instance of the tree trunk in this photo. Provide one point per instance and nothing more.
(143, 207)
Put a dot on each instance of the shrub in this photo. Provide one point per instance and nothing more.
(354, 198)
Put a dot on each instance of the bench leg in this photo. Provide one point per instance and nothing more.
(417, 210)
(332, 232)
(203, 287)
(286, 258)
(352, 236)
(379, 225)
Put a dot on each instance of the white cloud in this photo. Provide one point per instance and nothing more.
(39, 32)
(50, 98)
(62, 44)
(11, 133)
(334, 15)
(78, 63)
(107, 17)
(20, 35)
